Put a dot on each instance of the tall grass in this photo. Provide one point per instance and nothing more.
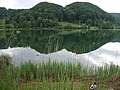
(51, 76)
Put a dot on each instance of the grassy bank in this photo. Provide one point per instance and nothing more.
(56, 76)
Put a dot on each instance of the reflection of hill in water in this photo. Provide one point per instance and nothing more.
(51, 41)
(105, 55)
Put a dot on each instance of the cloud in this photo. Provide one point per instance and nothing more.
(106, 5)
(26, 3)
(7, 3)
(18, 4)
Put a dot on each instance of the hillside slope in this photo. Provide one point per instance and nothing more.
(117, 16)
(88, 13)
(47, 15)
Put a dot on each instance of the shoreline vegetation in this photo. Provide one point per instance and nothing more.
(55, 29)
(62, 26)
(54, 75)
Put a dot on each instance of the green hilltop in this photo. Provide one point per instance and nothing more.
(50, 15)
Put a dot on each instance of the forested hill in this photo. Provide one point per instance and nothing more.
(49, 11)
(3, 12)
(117, 16)
(87, 13)
(49, 15)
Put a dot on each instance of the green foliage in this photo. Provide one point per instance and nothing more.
(5, 60)
(52, 75)
(3, 13)
(117, 18)
(84, 12)
(116, 15)
(2, 23)
(68, 25)
(48, 15)
(28, 70)
(48, 10)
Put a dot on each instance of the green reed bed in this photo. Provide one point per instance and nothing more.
(53, 76)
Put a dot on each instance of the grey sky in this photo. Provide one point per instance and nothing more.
(107, 5)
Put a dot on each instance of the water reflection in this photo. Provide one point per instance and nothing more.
(47, 41)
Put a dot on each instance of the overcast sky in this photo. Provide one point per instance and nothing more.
(106, 5)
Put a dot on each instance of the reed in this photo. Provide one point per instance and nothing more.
(53, 76)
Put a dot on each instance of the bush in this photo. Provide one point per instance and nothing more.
(5, 60)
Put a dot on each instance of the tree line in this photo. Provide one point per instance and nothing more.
(48, 15)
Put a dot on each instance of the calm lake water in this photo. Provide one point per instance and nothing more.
(47, 41)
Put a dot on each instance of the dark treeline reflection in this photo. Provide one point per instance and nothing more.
(47, 41)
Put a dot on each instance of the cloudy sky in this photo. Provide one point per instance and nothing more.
(107, 5)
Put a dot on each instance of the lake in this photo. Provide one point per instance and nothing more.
(47, 41)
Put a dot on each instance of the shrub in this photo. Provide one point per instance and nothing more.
(5, 60)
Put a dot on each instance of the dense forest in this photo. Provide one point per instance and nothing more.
(49, 15)
(4, 12)
(117, 16)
